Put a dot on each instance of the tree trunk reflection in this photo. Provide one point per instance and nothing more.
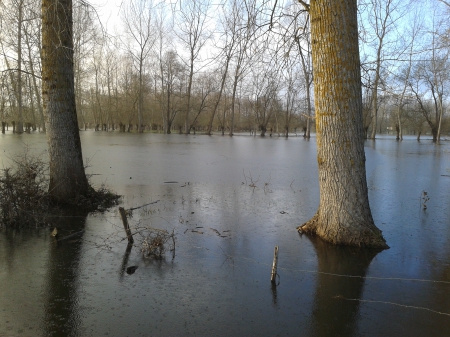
(341, 276)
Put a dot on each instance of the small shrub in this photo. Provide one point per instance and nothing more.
(23, 192)
(24, 197)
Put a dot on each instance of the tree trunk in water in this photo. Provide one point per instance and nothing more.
(344, 215)
(140, 98)
(441, 113)
(187, 126)
(67, 176)
(233, 99)
(308, 121)
(434, 133)
(399, 122)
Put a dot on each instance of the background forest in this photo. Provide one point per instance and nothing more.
(227, 66)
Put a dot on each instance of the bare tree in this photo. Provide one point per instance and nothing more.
(297, 33)
(32, 35)
(246, 24)
(172, 73)
(169, 71)
(430, 78)
(13, 12)
(229, 21)
(86, 36)
(293, 85)
(203, 90)
(138, 18)
(266, 88)
(382, 18)
(19, 67)
(404, 76)
(193, 34)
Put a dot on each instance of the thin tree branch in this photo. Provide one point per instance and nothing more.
(307, 6)
(271, 16)
(22, 71)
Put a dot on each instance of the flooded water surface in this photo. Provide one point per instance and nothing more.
(230, 201)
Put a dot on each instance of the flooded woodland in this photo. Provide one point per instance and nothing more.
(229, 201)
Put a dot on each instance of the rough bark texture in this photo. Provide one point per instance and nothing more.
(344, 215)
(67, 175)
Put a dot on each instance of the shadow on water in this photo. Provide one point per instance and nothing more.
(340, 280)
(62, 279)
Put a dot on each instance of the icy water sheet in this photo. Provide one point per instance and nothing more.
(230, 201)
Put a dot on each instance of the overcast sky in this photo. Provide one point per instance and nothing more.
(108, 10)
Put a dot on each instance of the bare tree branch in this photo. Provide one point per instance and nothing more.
(304, 4)
(21, 71)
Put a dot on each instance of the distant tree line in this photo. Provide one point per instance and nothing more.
(241, 65)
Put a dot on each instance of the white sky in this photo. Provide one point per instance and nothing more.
(108, 10)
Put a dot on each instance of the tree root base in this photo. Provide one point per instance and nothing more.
(365, 235)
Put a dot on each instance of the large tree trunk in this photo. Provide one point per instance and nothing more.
(344, 215)
(67, 176)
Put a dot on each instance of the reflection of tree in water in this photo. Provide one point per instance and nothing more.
(332, 314)
(62, 315)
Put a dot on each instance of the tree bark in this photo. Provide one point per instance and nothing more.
(344, 215)
(67, 175)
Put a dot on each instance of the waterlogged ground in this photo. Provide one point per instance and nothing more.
(230, 201)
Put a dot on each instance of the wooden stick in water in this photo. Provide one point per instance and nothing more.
(126, 226)
(274, 266)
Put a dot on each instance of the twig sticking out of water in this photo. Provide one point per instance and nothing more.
(266, 185)
(252, 183)
(423, 200)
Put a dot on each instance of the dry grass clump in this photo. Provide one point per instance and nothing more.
(156, 242)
